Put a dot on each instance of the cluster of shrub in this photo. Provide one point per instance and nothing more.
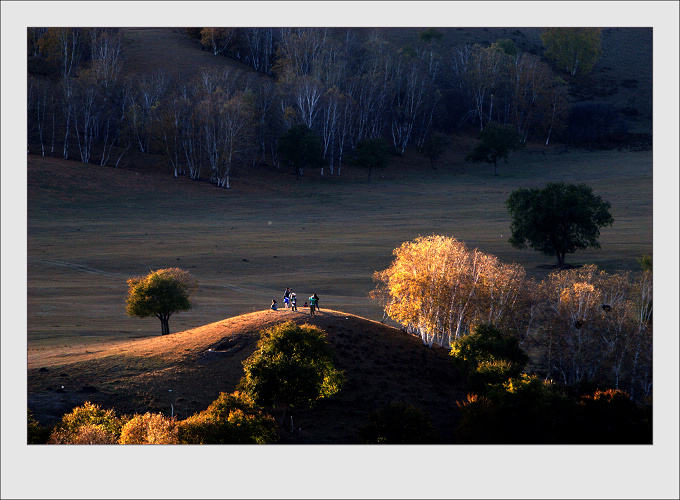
(505, 405)
(230, 419)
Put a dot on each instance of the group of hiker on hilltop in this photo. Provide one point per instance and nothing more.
(290, 300)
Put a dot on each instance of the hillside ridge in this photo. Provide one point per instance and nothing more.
(182, 373)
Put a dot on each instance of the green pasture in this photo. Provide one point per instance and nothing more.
(90, 228)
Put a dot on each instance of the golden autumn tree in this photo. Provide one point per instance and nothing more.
(438, 287)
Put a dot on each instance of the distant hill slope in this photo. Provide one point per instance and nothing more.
(185, 371)
(147, 50)
(622, 78)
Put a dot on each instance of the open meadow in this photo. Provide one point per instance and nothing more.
(91, 228)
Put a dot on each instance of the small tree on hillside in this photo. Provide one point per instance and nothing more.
(434, 147)
(292, 368)
(558, 219)
(496, 142)
(372, 153)
(160, 293)
(574, 49)
(217, 39)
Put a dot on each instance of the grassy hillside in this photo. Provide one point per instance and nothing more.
(189, 369)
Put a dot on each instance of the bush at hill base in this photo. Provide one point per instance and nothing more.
(150, 428)
(230, 419)
(88, 424)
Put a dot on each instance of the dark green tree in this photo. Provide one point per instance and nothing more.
(508, 46)
(434, 147)
(486, 343)
(496, 142)
(429, 35)
(521, 410)
(646, 263)
(291, 368)
(160, 293)
(372, 153)
(398, 423)
(36, 433)
(230, 419)
(301, 148)
(558, 219)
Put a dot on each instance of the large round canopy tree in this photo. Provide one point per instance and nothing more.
(558, 219)
(160, 293)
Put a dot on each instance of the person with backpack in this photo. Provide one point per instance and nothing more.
(316, 302)
(286, 298)
(312, 305)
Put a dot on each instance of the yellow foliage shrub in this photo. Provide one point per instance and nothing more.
(150, 428)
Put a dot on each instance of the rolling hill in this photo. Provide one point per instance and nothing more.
(182, 373)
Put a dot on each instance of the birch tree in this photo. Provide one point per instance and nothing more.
(346, 127)
(260, 43)
(236, 117)
(298, 50)
(217, 39)
(307, 93)
(407, 102)
(65, 47)
(330, 118)
(484, 77)
(105, 52)
(86, 115)
(557, 109)
(40, 103)
(267, 122)
(439, 288)
(67, 96)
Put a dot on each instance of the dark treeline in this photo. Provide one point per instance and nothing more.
(346, 85)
